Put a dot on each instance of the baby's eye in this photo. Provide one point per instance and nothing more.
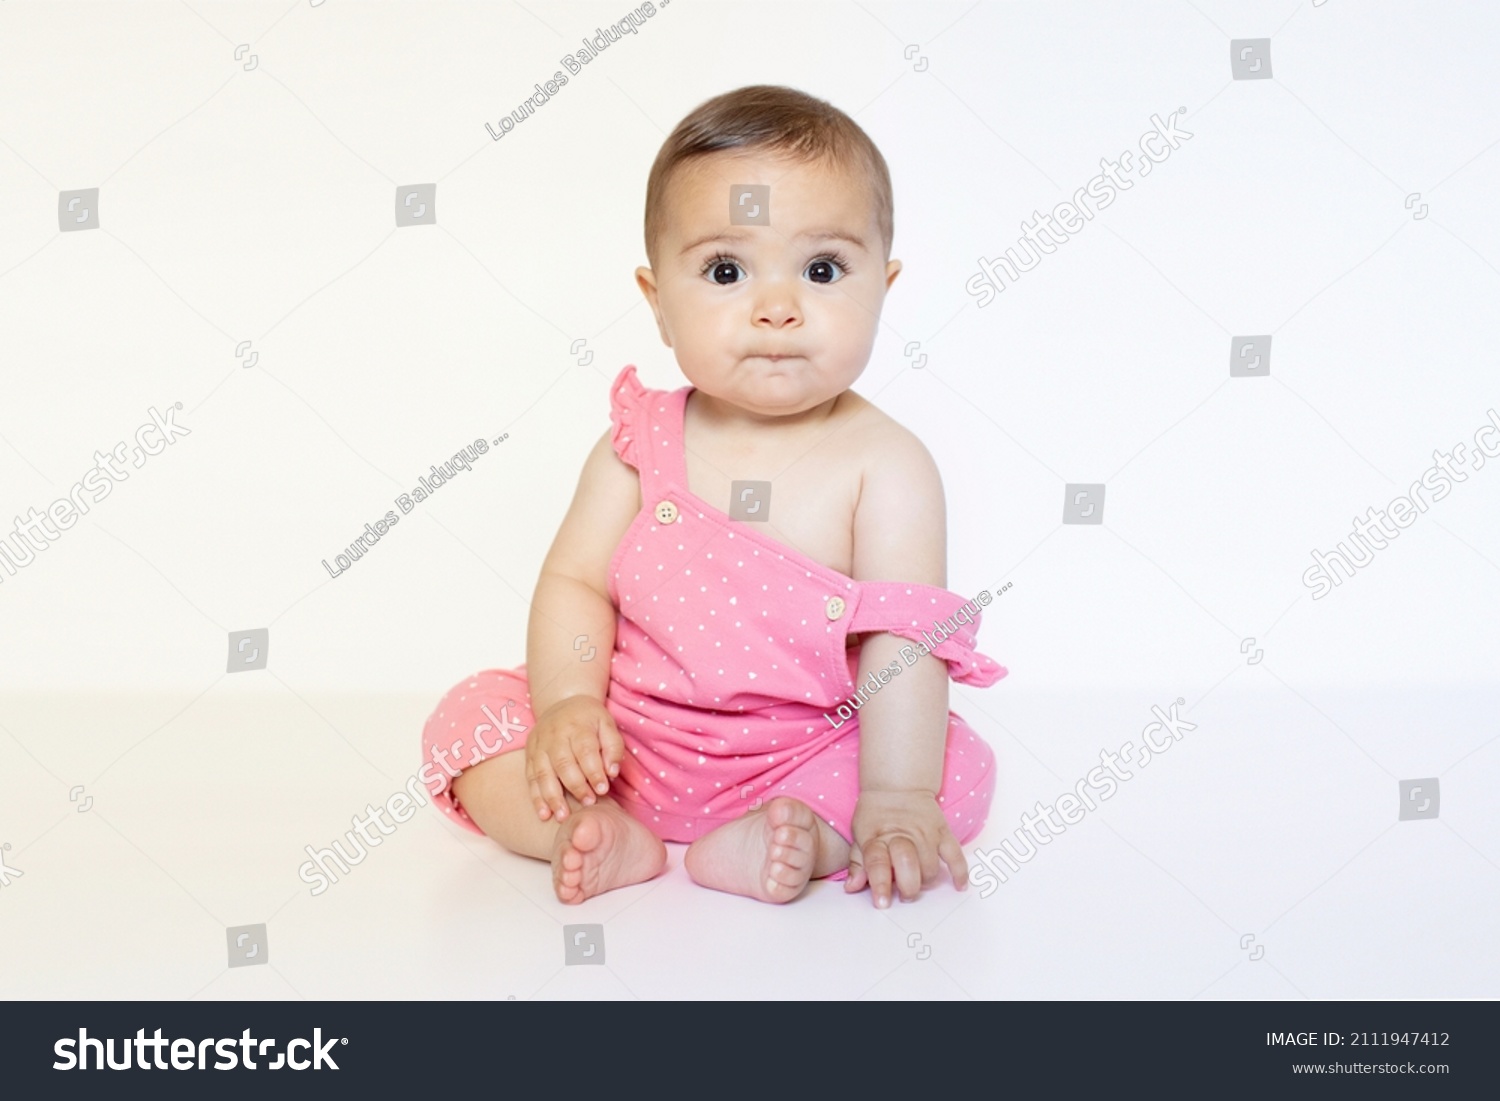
(825, 270)
(721, 272)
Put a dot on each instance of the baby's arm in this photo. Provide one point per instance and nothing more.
(900, 534)
(899, 829)
(572, 593)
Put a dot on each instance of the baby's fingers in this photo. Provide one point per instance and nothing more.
(953, 855)
(877, 869)
(586, 749)
(906, 860)
(857, 879)
(612, 745)
(571, 775)
(546, 794)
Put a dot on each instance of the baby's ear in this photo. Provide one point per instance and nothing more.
(892, 269)
(645, 278)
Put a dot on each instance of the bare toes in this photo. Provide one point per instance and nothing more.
(599, 850)
(783, 810)
(791, 847)
(587, 835)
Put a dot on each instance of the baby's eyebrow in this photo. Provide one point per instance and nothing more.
(833, 235)
(735, 236)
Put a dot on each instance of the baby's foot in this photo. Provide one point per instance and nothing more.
(768, 854)
(602, 847)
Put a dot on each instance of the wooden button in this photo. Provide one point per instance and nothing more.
(835, 607)
(666, 512)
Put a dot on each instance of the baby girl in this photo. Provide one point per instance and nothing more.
(729, 621)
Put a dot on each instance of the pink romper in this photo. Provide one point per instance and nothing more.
(729, 649)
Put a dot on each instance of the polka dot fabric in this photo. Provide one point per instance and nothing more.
(729, 648)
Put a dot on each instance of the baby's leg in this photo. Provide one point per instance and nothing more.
(595, 849)
(769, 854)
(477, 736)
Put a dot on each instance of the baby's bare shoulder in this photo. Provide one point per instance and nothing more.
(604, 505)
(891, 455)
(900, 520)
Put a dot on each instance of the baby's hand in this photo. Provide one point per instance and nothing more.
(904, 831)
(574, 741)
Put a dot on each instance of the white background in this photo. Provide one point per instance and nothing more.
(259, 205)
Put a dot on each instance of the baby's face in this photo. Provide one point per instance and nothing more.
(772, 318)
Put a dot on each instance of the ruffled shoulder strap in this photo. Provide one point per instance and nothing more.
(939, 621)
(627, 414)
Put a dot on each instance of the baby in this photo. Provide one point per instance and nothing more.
(731, 623)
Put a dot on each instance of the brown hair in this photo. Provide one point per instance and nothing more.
(777, 119)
